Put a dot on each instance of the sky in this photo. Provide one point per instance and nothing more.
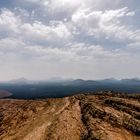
(89, 39)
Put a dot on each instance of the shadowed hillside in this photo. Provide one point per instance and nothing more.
(4, 93)
(102, 116)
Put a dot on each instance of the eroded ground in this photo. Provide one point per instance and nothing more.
(102, 116)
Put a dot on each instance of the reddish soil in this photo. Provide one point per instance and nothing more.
(102, 116)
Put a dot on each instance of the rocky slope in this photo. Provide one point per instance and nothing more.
(102, 116)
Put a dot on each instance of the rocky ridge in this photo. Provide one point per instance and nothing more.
(100, 116)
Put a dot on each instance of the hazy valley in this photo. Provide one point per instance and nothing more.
(26, 89)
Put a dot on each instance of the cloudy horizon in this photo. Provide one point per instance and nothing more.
(88, 39)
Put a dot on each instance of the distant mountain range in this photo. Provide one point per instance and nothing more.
(54, 80)
(61, 81)
(58, 87)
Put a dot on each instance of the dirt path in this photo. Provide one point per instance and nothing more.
(38, 132)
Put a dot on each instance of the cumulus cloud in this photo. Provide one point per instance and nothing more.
(8, 22)
(12, 25)
(75, 39)
(38, 31)
(104, 24)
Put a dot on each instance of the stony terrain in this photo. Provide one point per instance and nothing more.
(101, 116)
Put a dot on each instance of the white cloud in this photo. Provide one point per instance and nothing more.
(57, 3)
(9, 22)
(41, 32)
(134, 45)
(72, 52)
(35, 1)
(10, 45)
(12, 25)
(70, 40)
(105, 24)
(131, 13)
(73, 61)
